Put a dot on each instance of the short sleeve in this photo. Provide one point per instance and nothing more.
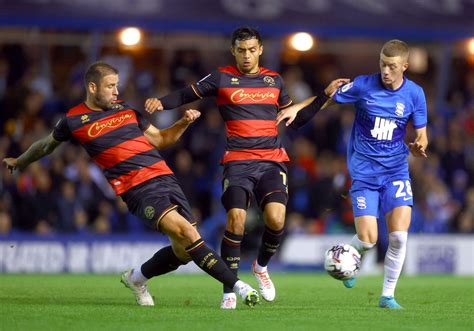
(420, 113)
(208, 86)
(61, 131)
(284, 99)
(143, 123)
(348, 93)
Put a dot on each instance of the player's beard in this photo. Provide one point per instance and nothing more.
(102, 102)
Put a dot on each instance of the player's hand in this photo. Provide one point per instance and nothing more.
(191, 115)
(152, 105)
(416, 149)
(331, 89)
(11, 163)
(288, 115)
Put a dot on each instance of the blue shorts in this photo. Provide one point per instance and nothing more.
(376, 199)
(153, 199)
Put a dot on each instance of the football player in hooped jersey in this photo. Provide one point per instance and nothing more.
(377, 156)
(249, 98)
(125, 146)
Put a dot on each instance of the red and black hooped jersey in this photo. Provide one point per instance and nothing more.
(249, 105)
(115, 141)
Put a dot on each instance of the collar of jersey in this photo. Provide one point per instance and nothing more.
(387, 89)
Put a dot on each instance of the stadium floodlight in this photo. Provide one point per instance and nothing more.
(130, 36)
(470, 46)
(418, 60)
(302, 41)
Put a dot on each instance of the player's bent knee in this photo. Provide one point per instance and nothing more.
(398, 239)
(236, 221)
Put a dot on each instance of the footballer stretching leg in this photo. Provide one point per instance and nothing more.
(186, 245)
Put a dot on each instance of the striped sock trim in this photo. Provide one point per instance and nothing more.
(195, 246)
(273, 232)
(232, 239)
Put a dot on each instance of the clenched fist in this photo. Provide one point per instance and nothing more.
(152, 105)
(191, 115)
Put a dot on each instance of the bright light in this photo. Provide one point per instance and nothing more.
(418, 60)
(130, 36)
(470, 46)
(302, 41)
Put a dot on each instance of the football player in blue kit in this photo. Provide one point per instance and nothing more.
(377, 155)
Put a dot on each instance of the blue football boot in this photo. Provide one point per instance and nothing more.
(389, 302)
(349, 283)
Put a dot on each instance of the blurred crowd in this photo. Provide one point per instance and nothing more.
(66, 193)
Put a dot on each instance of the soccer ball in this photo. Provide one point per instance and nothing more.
(342, 261)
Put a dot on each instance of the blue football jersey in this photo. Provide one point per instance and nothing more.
(376, 146)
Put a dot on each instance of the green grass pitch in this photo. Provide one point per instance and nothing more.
(305, 301)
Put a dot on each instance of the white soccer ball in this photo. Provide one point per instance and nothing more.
(342, 261)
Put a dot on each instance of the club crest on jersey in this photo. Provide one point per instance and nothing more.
(117, 106)
(85, 119)
(400, 109)
(234, 81)
(346, 87)
(269, 81)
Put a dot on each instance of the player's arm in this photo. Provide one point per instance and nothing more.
(172, 100)
(419, 145)
(36, 151)
(301, 113)
(164, 138)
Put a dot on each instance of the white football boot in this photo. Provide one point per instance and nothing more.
(142, 296)
(229, 301)
(265, 284)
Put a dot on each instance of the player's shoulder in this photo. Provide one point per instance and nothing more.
(79, 109)
(368, 80)
(268, 72)
(229, 70)
(413, 85)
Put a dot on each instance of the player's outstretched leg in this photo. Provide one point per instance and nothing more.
(362, 247)
(389, 302)
(142, 296)
(211, 263)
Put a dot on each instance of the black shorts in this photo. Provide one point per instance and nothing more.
(153, 199)
(258, 178)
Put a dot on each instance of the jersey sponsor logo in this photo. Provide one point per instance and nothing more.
(400, 109)
(256, 96)
(383, 128)
(269, 81)
(346, 87)
(97, 127)
(361, 203)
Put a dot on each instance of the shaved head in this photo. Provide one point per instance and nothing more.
(394, 48)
